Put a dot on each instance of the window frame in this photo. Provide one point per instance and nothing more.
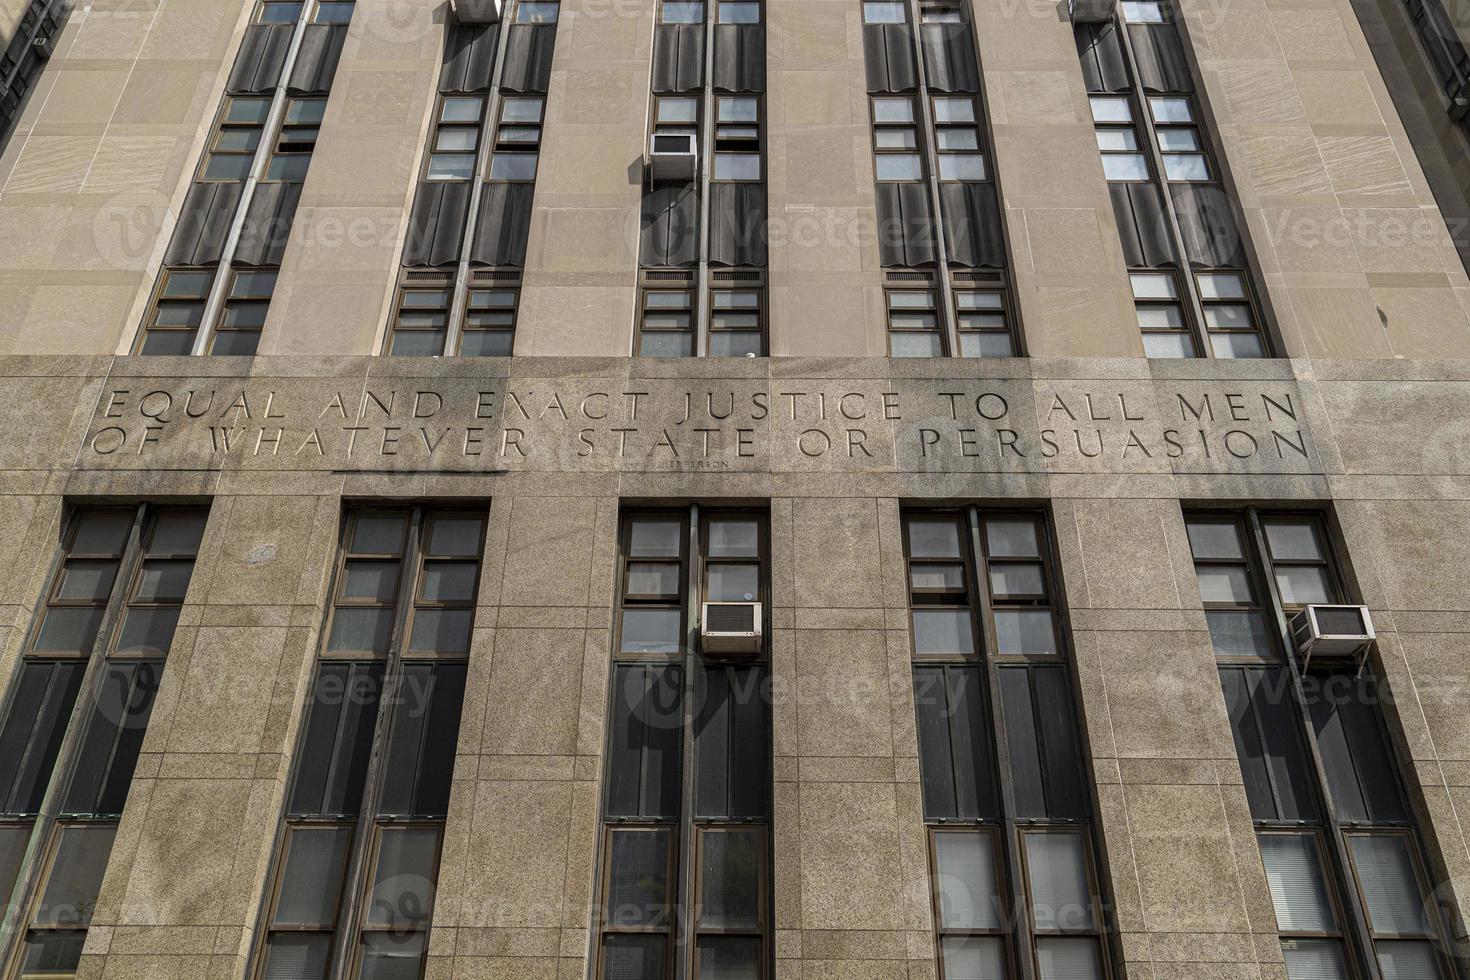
(689, 311)
(994, 834)
(372, 853)
(935, 307)
(1099, 932)
(396, 325)
(914, 126)
(762, 931)
(759, 309)
(438, 124)
(222, 125)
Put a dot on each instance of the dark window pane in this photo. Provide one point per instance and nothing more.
(39, 712)
(1025, 632)
(733, 538)
(165, 342)
(1011, 538)
(1263, 720)
(377, 534)
(934, 539)
(457, 537)
(732, 583)
(954, 747)
(390, 956)
(113, 739)
(87, 580)
(441, 630)
(421, 746)
(486, 343)
(68, 629)
(1056, 865)
(312, 881)
(339, 732)
(730, 879)
(644, 742)
(966, 881)
(637, 890)
(148, 629)
(50, 954)
(656, 538)
(1298, 891)
(177, 533)
(298, 956)
(1314, 959)
(1041, 736)
(648, 578)
(939, 631)
(1293, 541)
(1390, 887)
(374, 581)
(973, 958)
(652, 630)
(449, 581)
(1356, 757)
(732, 743)
(13, 841)
(1208, 539)
(1238, 634)
(76, 876)
(1408, 961)
(729, 958)
(1016, 579)
(1059, 958)
(361, 630)
(1302, 585)
(102, 533)
(634, 957)
(403, 883)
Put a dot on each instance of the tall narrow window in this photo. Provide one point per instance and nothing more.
(938, 202)
(471, 220)
(222, 261)
(1338, 844)
(704, 211)
(397, 642)
(113, 604)
(720, 818)
(1185, 248)
(1011, 854)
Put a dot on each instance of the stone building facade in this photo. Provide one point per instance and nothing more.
(1099, 548)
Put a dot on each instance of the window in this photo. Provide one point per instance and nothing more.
(422, 321)
(739, 12)
(402, 612)
(648, 806)
(970, 606)
(681, 13)
(237, 134)
(735, 323)
(675, 114)
(131, 568)
(299, 130)
(896, 140)
(278, 12)
(1230, 318)
(489, 323)
(537, 12)
(1117, 140)
(1179, 140)
(517, 138)
(1143, 12)
(940, 13)
(177, 311)
(246, 306)
(1160, 315)
(984, 327)
(876, 12)
(957, 135)
(333, 12)
(1254, 570)
(666, 323)
(456, 137)
(737, 138)
(913, 324)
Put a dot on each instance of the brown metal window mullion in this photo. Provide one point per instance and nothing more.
(1020, 939)
(344, 952)
(27, 878)
(1341, 867)
(684, 927)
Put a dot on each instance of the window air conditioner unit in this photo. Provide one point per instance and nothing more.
(41, 44)
(672, 156)
(1333, 634)
(477, 11)
(1091, 11)
(730, 628)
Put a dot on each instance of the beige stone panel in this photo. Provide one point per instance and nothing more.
(1254, 94)
(547, 555)
(1163, 695)
(135, 163)
(599, 161)
(569, 238)
(1041, 97)
(73, 318)
(1081, 321)
(112, 32)
(1282, 165)
(843, 702)
(616, 100)
(1366, 168)
(1185, 864)
(1049, 166)
(596, 34)
(1423, 322)
(533, 710)
(588, 320)
(837, 552)
(202, 30)
(81, 101)
(812, 246)
(314, 318)
(1338, 99)
(1098, 531)
(1402, 543)
(516, 861)
(53, 165)
(230, 674)
(1311, 240)
(814, 35)
(159, 95)
(1237, 31)
(1312, 34)
(828, 166)
(850, 862)
(821, 320)
(185, 853)
(816, 99)
(1337, 322)
(1025, 35)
